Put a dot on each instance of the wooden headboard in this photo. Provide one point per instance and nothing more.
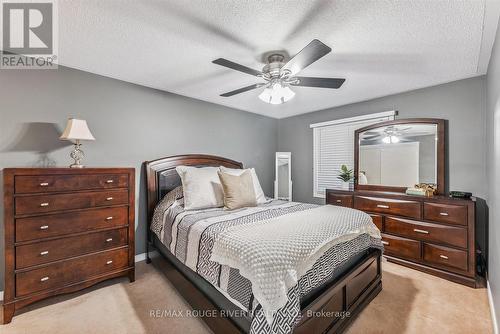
(161, 176)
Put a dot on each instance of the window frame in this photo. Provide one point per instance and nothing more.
(390, 115)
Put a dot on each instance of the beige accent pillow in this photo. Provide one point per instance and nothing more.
(259, 194)
(201, 186)
(238, 190)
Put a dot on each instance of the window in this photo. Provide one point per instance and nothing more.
(333, 146)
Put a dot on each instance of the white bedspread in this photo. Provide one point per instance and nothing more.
(273, 254)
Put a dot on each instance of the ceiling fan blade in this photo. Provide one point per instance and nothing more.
(319, 82)
(237, 67)
(242, 90)
(308, 55)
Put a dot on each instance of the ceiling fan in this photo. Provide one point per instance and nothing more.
(390, 130)
(389, 135)
(279, 76)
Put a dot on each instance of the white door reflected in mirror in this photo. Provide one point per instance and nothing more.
(283, 176)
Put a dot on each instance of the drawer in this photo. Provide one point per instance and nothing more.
(47, 203)
(48, 251)
(378, 220)
(356, 286)
(455, 236)
(49, 183)
(339, 200)
(329, 304)
(70, 271)
(444, 256)
(401, 247)
(386, 205)
(446, 213)
(71, 222)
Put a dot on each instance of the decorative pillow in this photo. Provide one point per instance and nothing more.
(202, 188)
(259, 194)
(238, 190)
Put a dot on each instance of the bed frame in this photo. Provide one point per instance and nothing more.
(346, 295)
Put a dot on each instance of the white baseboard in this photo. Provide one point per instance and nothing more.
(492, 310)
(142, 256)
(138, 258)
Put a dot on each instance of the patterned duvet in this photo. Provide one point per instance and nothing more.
(190, 236)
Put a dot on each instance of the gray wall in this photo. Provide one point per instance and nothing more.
(460, 102)
(131, 123)
(493, 163)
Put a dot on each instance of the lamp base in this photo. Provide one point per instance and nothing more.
(77, 155)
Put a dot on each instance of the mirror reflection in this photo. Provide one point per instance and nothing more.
(399, 155)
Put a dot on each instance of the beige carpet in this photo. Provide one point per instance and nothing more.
(410, 302)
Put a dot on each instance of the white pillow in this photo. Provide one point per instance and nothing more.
(259, 194)
(202, 187)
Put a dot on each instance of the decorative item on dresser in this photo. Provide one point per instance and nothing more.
(65, 229)
(432, 234)
(76, 130)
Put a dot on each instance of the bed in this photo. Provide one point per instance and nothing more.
(322, 301)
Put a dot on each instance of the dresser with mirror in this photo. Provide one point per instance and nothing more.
(434, 234)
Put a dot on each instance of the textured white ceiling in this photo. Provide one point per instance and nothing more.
(381, 47)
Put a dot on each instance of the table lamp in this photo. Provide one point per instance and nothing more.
(76, 130)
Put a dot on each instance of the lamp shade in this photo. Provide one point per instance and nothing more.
(77, 129)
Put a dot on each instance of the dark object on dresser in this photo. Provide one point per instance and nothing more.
(352, 291)
(460, 194)
(65, 230)
(436, 235)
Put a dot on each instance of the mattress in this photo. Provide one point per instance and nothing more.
(190, 235)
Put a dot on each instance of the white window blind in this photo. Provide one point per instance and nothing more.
(333, 146)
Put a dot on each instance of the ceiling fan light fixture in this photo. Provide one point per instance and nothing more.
(391, 139)
(277, 93)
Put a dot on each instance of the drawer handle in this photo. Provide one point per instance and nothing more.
(382, 206)
(44, 253)
(109, 218)
(44, 184)
(44, 204)
(109, 239)
(385, 243)
(43, 279)
(44, 227)
(420, 231)
(109, 181)
(443, 257)
(109, 198)
(109, 262)
(443, 214)
(339, 201)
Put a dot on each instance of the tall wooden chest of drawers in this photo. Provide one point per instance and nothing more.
(436, 235)
(65, 229)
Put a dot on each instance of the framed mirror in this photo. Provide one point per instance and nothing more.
(283, 181)
(395, 155)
